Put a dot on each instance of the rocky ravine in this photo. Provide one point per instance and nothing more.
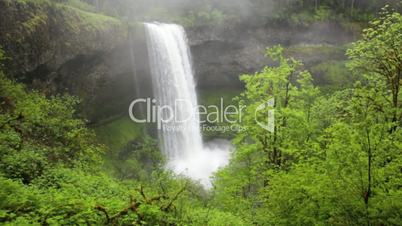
(59, 49)
(221, 54)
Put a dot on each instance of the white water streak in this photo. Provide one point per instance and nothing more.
(173, 80)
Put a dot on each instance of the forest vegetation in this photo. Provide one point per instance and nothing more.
(335, 157)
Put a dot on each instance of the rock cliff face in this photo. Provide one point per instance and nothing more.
(222, 54)
(57, 49)
(50, 34)
(61, 49)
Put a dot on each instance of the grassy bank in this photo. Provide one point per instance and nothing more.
(118, 132)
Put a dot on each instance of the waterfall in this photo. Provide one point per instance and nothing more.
(175, 93)
(174, 86)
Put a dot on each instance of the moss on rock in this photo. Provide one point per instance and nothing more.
(42, 32)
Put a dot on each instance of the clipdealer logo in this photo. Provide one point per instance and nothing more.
(176, 116)
(269, 125)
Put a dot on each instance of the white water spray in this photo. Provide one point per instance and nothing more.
(174, 86)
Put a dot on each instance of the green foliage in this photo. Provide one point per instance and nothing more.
(36, 131)
(139, 159)
(311, 50)
(378, 57)
(212, 12)
(322, 14)
(213, 98)
(333, 75)
(306, 12)
(77, 15)
(51, 173)
(258, 151)
(80, 5)
(2, 58)
(208, 16)
(79, 19)
(332, 160)
(131, 154)
(302, 18)
(214, 217)
(328, 159)
(306, 18)
(118, 132)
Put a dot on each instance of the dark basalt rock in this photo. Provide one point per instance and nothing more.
(222, 53)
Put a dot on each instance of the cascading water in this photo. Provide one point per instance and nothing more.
(174, 90)
(174, 86)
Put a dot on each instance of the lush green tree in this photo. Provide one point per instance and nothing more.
(354, 178)
(301, 158)
(51, 171)
(37, 132)
(379, 54)
(264, 146)
(339, 155)
(360, 152)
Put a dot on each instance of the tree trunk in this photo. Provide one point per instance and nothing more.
(396, 81)
(352, 7)
(368, 191)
